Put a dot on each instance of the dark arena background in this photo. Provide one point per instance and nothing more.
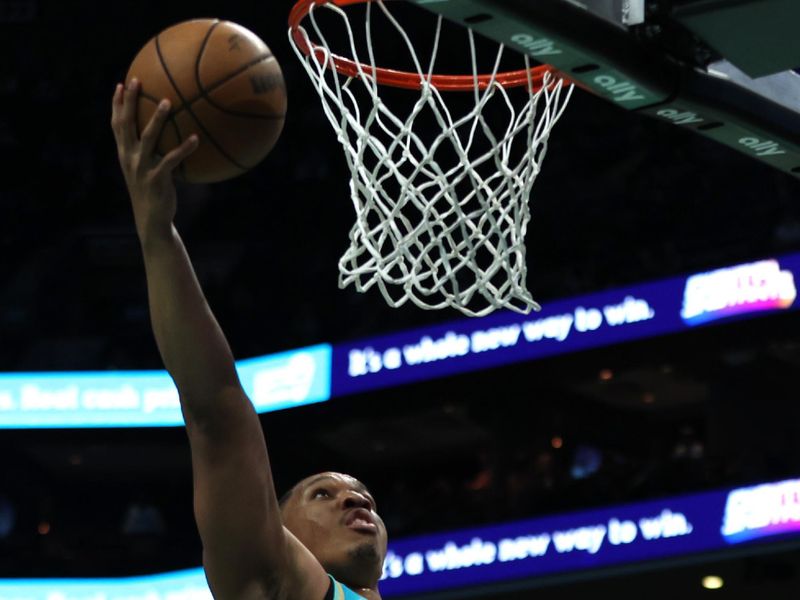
(603, 434)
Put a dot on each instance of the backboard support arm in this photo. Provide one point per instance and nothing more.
(626, 66)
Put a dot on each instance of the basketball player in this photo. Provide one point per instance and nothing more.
(324, 540)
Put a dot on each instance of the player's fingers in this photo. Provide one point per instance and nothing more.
(177, 155)
(127, 114)
(154, 127)
(116, 106)
(116, 115)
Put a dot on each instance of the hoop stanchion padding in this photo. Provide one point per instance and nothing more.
(441, 200)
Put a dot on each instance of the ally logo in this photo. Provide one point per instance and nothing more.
(679, 117)
(620, 89)
(761, 147)
(536, 46)
(290, 381)
(289, 378)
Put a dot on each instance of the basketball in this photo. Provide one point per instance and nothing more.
(224, 85)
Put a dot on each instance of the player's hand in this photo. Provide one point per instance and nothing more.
(148, 175)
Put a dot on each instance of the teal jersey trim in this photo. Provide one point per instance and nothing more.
(342, 592)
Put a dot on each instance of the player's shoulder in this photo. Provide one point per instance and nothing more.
(339, 591)
(302, 576)
(335, 591)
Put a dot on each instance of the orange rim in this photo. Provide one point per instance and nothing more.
(405, 79)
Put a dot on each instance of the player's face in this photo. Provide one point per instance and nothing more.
(335, 517)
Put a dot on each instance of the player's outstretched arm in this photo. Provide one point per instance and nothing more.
(246, 551)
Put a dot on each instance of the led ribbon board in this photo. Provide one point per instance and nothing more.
(149, 398)
(622, 535)
(628, 534)
(608, 60)
(189, 584)
(591, 321)
(318, 373)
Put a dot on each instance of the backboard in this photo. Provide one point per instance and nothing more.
(723, 69)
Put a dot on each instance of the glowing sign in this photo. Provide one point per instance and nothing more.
(180, 585)
(502, 338)
(581, 541)
(576, 542)
(745, 288)
(589, 321)
(297, 377)
(762, 511)
(149, 398)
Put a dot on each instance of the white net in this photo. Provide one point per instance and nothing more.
(441, 201)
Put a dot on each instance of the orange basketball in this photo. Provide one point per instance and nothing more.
(224, 85)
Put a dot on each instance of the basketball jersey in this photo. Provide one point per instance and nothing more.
(337, 591)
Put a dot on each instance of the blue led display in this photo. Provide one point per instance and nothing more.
(315, 374)
(149, 398)
(591, 321)
(627, 534)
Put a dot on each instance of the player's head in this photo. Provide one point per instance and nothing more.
(335, 517)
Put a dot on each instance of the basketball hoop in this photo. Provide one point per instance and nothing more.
(435, 234)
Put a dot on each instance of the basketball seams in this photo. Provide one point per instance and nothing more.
(205, 91)
(147, 96)
(182, 165)
(240, 109)
(188, 109)
(235, 113)
(226, 78)
(200, 53)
